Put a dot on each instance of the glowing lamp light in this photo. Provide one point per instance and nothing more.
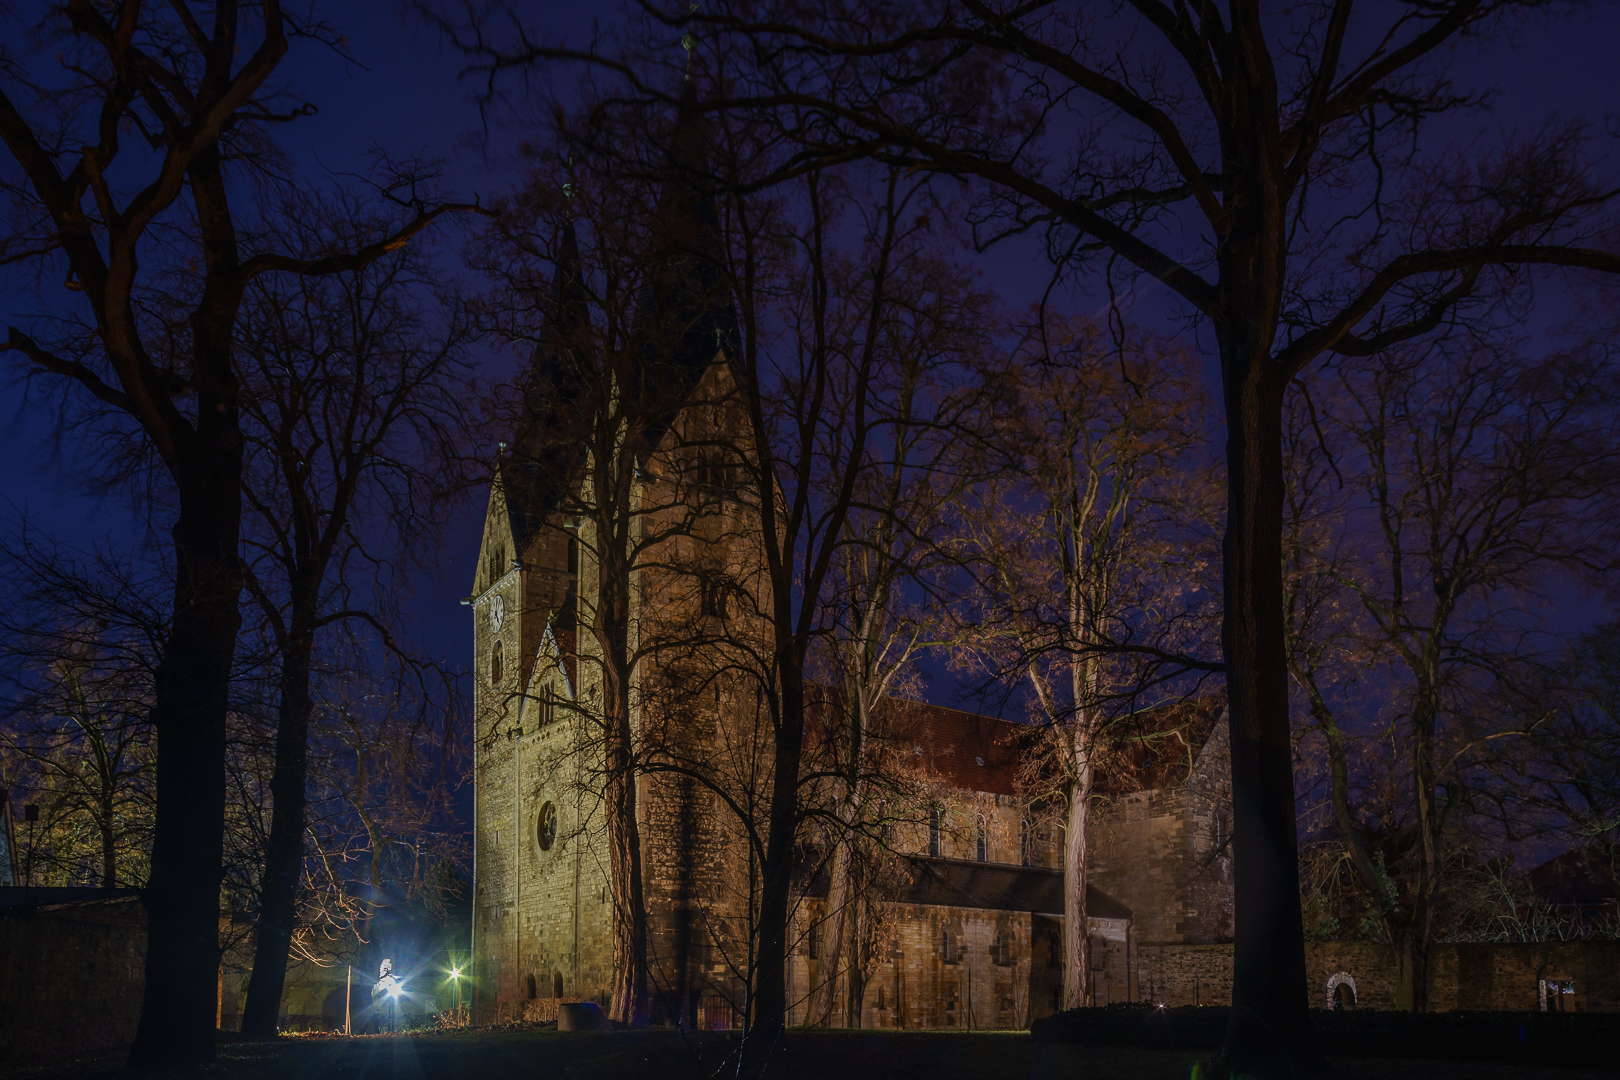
(455, 973)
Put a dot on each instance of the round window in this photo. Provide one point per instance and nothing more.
(546, 828)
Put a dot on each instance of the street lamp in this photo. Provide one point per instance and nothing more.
(455, 976)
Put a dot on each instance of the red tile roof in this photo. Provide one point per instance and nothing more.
(967, 750)
(1151, 748)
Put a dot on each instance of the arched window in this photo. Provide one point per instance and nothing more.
(1002, 948)
(1026, 843)
(1341, 991)
(529, 981)
(556, 984)
(933, 832)
(950, 948)
(497, 665)
(546, 827)
(981, 840)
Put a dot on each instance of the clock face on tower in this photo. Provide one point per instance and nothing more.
(497, 613)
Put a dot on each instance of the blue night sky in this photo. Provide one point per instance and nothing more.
(409, 98)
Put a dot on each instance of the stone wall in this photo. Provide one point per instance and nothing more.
(916, 986)
(1584, 976)
(1163, 853)
(70, 978)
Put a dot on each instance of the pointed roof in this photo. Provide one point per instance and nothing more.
(684, 318)
(546, 450)
(685, 315)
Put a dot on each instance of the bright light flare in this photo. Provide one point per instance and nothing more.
(455, 973)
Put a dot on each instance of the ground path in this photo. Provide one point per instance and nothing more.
(666, 1055)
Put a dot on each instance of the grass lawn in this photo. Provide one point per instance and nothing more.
(665, 1055)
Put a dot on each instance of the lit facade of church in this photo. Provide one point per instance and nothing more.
(964, 928)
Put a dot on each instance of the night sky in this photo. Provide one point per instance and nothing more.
(409, 98)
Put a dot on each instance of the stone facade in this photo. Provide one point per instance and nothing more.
(542, 900)
(1164, 850)
(542, 903)
(1566, 976)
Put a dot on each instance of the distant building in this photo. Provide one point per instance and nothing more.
(1582, 883)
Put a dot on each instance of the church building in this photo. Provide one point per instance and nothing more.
(964, 930)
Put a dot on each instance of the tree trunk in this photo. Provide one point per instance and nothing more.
(855, 995)
(1412, 974)
(629, 1004)
(838, 898)
(1076, 957)
(1269, 1027)
(284, 853)
(776, 884)
(180, 1002)
(109, 845)
(612, 629)
(179, 1008)
(1415, 953)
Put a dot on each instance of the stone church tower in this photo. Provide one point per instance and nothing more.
(542, 907)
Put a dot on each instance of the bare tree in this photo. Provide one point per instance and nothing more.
(354, 395)
(1085, 544)
(1478, 473)
(114, 227)
(82, 634)
(818, 320)
(887, 600)
(381, 807)
(1567, 779)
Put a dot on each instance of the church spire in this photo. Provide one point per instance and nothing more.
(685, 313)
(544, 446)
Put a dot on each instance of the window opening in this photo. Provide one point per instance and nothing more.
(713, 597)
(933, 833)
(546, 827)
(497, 665)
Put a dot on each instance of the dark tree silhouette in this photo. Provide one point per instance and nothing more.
(354, 391)
(112, 226)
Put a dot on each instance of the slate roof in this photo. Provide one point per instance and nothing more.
(999, 887)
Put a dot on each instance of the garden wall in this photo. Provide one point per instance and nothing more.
(1572, 976)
